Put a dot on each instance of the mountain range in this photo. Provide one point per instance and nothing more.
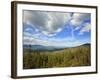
(46, 48)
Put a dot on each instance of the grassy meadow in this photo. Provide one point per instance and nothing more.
(67, 57)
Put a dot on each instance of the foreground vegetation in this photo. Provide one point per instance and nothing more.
(69, 57)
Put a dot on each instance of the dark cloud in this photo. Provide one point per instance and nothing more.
(48, 23)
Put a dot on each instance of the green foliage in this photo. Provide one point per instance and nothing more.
(70, 57)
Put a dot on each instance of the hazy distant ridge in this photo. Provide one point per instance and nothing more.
(41, 47)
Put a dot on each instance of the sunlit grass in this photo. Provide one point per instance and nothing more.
(69, 57)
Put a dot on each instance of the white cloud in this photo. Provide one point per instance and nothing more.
(77, 28)
(86, 28)
(28, 29)
(27, 34)
(37, 41)
(58, 43)
(48, 22)
(30, 24)
(58, 30)
(77, 21)
(48, 34)
(79, 18)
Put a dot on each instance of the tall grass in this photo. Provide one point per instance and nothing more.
(69, 57)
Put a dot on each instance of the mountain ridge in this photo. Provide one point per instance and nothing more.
(42, 48)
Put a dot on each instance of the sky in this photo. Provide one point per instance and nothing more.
(59, 29)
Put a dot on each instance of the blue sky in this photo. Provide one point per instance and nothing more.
(60, 29)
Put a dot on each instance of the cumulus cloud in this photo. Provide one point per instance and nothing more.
(79, 18)
(86, 28)
(49, 23)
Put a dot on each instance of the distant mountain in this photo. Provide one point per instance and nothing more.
(87, 44)
(48, 48)
(40, 47)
